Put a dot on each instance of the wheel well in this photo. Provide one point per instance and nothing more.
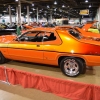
(62, 57)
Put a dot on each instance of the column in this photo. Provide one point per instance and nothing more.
(37, 15)
(28, 19)
(19, 12)
(10, 15)
(51, 16)
(16, 15)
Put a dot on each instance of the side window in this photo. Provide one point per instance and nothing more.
(75, 33)
(29, 36)
(49, 36)
(38, 36)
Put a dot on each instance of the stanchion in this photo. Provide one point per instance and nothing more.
(7, 81)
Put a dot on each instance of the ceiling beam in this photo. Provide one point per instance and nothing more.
(90, 2)
(27, 1)
(86, 7)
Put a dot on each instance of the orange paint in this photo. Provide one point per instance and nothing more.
(48, 52)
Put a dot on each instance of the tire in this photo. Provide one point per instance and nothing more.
(2, 58)
(74, 69)
(83, 71)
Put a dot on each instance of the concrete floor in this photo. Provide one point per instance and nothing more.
(9, 92)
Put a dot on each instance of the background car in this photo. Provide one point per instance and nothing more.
(7, 30)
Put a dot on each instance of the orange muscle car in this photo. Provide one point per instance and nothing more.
(66, 48)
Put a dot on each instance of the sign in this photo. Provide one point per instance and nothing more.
(84, 12)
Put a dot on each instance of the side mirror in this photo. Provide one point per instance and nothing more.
(16, 39)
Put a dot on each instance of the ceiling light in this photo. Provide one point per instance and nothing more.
(89, 6)
(55, 2)
(48, 6)
(33, 9)
(60, 10)
(63, 6)
(86, 1)
(33, 4)
(55, 9)
(16, 0)
(4, 11)
(40, 10)
(12, 9)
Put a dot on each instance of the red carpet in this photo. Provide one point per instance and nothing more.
(64, 88)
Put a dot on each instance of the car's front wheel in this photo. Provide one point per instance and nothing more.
(71, 66)
(2, 58)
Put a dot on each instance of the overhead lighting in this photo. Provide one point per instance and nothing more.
(86, 1)
(16, 0)
(33, 4)
(4, 11)
(30, 12)
(55, 2)
(63, 6)
(48, 6)
(89, 6)
(12, 9)
(33, 9)
(60, 10)
(40, 10)
(55, 9)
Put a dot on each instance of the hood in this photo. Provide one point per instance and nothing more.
(7, 38)
(88, 25)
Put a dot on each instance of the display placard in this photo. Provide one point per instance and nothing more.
(84, 12)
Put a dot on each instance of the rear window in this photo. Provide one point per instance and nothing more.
(75, 33)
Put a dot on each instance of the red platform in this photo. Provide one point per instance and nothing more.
(64, 88)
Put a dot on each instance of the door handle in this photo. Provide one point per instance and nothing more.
(38, 45)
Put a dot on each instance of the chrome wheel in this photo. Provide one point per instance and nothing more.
(71, 67)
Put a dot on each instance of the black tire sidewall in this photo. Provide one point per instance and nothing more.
(2, 58)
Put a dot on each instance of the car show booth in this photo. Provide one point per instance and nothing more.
(64, 88)
(50, 49)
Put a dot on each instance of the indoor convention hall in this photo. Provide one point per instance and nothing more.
(49, 49)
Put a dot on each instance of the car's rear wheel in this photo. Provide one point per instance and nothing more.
(2, 58)
(71, 67)
(83, 67)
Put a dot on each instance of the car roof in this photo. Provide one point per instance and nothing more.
(43, 29)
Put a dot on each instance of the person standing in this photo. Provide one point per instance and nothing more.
(18, 29)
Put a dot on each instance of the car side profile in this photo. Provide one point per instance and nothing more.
(66, 48)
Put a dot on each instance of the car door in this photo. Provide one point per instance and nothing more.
(51, 47)
(27, 48)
